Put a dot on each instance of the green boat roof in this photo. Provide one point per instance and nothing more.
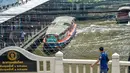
(63, 19)
(57, 28)
(59, 25)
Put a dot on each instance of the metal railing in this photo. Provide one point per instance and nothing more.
(30, 41)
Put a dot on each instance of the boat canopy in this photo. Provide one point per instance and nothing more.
(124, 8)
(63, 19)
(60, 24)
(57, 28)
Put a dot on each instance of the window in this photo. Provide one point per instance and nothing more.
(67, 24)
(63, 35)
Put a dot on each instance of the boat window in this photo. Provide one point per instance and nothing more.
(71, 27)
(120, 14)
(62, 36)
(73, 21)
(51, 38)
(53, 23)
(67, 24)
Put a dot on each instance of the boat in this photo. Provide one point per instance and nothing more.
(59, 33)
(123, 14)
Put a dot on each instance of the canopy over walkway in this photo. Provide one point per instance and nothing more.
(6, 15)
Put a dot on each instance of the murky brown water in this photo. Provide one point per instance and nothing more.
(88, 39)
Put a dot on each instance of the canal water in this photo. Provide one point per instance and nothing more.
(93, 34)
(111, 36)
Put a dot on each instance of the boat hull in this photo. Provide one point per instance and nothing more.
(58, 46)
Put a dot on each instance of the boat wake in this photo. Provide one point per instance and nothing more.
(117, 38)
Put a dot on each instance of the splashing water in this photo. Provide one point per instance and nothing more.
(88, 39)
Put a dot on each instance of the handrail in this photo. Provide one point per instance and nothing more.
(82, 61)
(124, 63)
(63, 12)
(34, 38)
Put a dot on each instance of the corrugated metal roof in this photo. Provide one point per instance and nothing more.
(19, 9)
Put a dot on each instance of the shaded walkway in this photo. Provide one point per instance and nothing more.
(14, 11)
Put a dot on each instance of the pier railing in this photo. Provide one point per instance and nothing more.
(84, 66)
(58, 64)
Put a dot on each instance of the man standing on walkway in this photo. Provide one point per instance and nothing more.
(22, 36)
(103, 59)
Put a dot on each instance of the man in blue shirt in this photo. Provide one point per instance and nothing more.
(103, 61)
